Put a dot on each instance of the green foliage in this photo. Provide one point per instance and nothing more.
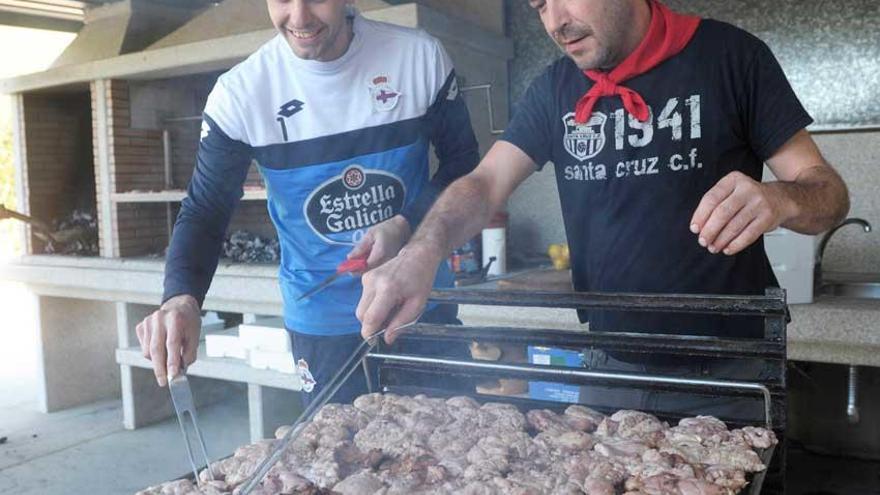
(10, 243)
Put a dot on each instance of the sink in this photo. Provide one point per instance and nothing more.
(861, 290)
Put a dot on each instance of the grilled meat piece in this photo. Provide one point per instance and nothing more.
(583, 418)
(567, 442)
(706, 430)
(359, 483)
(546, 420)
(669, 484)
(755, 437)
(633, 425)
(391, 444)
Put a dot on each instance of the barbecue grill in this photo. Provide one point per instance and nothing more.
(438, 376)
(410, 374)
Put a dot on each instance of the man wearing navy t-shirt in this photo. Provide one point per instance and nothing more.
(659, 126)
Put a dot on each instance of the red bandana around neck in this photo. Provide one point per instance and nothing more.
(668, 34)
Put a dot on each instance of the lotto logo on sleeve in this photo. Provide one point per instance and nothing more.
(342, 208)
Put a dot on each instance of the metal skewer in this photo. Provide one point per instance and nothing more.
(351, 364)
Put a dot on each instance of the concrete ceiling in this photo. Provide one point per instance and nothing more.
(66, 15)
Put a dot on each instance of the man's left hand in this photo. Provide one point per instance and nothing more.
(736, 212)
(383, 241)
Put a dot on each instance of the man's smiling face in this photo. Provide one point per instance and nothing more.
(314, 29)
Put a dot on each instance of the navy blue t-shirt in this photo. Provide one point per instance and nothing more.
(629, 189)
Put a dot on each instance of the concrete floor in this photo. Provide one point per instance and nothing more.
(86, 450)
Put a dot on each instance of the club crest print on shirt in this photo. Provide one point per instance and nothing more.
(382, 94)
(679, 118)
(584, 141)
(341, 209)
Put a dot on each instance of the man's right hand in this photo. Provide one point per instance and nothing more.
(170, 336)
(395, 293)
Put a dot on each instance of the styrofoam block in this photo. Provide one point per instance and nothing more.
(265, 335)
(211, 323)
(268, 360)
(225, 344)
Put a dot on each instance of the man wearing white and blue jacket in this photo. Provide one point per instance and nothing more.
(338, 112)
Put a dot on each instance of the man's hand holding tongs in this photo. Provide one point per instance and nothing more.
(395, 293)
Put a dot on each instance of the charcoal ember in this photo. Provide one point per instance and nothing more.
(246, 247)
(78, 233)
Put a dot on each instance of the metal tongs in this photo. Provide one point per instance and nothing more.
(184, 406)
(351, 364)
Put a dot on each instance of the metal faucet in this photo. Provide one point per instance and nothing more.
(817, 268)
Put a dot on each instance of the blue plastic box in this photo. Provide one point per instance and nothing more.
(551, 391)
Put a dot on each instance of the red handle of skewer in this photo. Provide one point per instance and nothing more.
(354, 265)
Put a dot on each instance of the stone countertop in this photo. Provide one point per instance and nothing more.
(237, 287)
(835, 330)
(832, 329)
